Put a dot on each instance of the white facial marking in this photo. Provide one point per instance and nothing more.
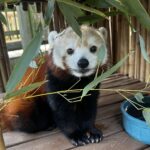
(81, 49)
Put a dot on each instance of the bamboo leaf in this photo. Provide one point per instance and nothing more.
(3, 19)
(83, 7)
(143, 49)
(24, 90)
(99, 79)
(97, 3)
(136, 8)
(139, 97)
(102, 53)
(33, 64)
(89, 19)
(146, 115)
(119, 5)
(24, 61)
(71, 13)
(49, 11)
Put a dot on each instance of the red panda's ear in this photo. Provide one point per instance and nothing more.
(51, 37)
(103, 32)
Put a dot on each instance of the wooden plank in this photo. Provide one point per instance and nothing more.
(15, 138)
(120, 141)
(110, 126)
(113, 142)
(120, 82)
(55, 142)
(108, 111)
(135, 86)
(58, 141)
(114, 77)
(109, 97)
(115, 98)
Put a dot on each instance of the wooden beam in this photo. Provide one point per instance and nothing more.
(25, 26)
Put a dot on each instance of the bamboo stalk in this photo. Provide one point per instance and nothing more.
(2, 144)
(137, 54)
(125, 44)
(131, 47)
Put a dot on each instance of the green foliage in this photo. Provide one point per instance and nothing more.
(24, 89)
(136, 9)
(132, 8)
(83, 7)
(146, 114)
(71, 17)
(143, 49)
(49, 12)
(139, 97)
(102, 53)
(98, 3)
(23, 63)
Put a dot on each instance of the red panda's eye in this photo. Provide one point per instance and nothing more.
(93, 49)
(70, 51)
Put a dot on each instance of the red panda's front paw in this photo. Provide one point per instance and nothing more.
(95, 136)
(80, 140)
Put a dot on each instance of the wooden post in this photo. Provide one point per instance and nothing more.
(2, 144)
(25, 26)
(4, 60)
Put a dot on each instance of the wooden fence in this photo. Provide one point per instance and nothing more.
(124, 40)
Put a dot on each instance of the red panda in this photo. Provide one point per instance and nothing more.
(71, 64)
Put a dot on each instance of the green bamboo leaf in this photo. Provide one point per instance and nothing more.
(139, 97)
(119, 5)
(49, 11)
(3, 19)
(102, 53)
(71, 14)
(89, 19)
(97, 3)
(143, 49)
(146, 115)
(99, 79)
(24, 90)
(24, 61)
(136, 8)
(83, 7)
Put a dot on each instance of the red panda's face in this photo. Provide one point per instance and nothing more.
(78, 55)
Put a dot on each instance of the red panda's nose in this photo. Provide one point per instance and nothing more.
(83, 63)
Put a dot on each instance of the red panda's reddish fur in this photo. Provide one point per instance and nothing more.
(19, 104)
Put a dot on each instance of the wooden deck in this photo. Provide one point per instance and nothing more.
(108, 119)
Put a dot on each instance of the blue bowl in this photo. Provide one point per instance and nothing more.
(136, 128)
